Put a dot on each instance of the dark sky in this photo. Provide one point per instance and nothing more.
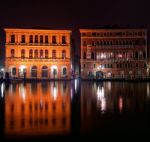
(73, 14)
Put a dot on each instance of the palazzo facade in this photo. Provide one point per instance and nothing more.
(38, 53)
(113, 53)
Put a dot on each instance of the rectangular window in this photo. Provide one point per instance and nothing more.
(23, 39)
(12, 40)
(36, 39)
(63, 40)
(46, 39)
(54, 39)
(31, 39)
(41, 39)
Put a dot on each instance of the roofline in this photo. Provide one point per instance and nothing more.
(111, 29)
(36, 30)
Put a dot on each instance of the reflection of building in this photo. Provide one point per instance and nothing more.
(38, 53)
(112, 53)
(37, 109)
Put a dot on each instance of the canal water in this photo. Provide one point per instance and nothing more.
(80, 109)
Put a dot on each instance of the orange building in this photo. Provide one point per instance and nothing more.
(37, 53)
(38, 109)
(113, 53)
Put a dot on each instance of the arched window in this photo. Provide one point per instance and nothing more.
(44, 71)
(23, 40)
(41, 39)
(63, 40)
(54, 39)
(12, 53)
(31, 53)
(46, 39)
(36, 53)
(36, 38)
(31, 39)
(22, 53)
(64, 71)
(14, 71)
(41, 53)
(84, 55)
(53, 54)
(92, 55)
(46, 53)
(63, 54)
(34, 71)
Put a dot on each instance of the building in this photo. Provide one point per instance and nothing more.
(38, 53)
(38, 109)
(113, 53)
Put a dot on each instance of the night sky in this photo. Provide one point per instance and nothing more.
(73, 14)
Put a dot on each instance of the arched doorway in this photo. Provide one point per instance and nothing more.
(54, 71)
(34, 71)
(64, 71)
(44, 71)
(22, 71)
(99, 74)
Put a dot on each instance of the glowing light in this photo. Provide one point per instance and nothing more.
(2, 89)
(120, 104)
(22, 67)
(2, 69)
(75, 84)
(22, 92)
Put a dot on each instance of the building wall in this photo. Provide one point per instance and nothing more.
(113, 53)
(28, 50)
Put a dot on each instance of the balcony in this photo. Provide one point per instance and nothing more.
(9, 59)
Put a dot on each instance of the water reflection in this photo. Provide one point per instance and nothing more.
(46, 111)
(65, 107)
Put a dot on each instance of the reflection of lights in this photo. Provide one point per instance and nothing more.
(22, 92)
(54, 92)
(120, 104)
(103, 55)
(101, 98)
(75, 84)
(148, 90)
(2, 89)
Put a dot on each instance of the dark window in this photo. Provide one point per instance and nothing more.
(83, 65)
(144, 65)
(137, 65)
(46, 39)
(83, 34)
(36, 39)
(144, 54)
(63, 54)
(14, 71)
(31, 39)
(63, 40)
(12, 53)
(46, 53)
(41, 53)
(23, 39)
(94, 65)
(54, 39)
(22, 53)
(84, 55)
(54, 54)
(30, 53)
(64, 71)
(136, 55)
(84, 43)
(12, 40)
(36, 54)
(92, 55)
(41, 39)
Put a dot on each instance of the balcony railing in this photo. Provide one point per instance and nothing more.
(9, 59)
(38, 44)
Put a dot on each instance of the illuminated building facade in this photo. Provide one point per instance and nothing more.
(113, 53)
(37, 53)
(38, 109)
